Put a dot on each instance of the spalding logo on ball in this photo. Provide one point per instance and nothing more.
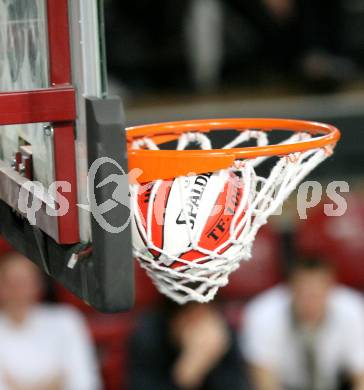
(185, 219)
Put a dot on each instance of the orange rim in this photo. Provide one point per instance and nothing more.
(167, 164)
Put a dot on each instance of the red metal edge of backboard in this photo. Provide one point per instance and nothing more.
(65, 163)
(64, 133)
(59, 42)
(44, 105)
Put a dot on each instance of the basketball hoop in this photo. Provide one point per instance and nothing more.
(201, 235)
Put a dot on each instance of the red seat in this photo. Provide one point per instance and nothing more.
(4, 246)
(262, 271)
(339, 240)
(146, 294)
(111, 334)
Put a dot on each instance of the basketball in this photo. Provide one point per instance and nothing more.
(187, 218)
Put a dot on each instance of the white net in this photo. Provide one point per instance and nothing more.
(199, 279)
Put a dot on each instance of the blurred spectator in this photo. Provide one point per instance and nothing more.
(151, 44)
(306, 334)
(144, 42)
(321, 61)
(42, 347)
(303, 34)
(185, 347)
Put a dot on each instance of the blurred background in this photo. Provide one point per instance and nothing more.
(190, 59)
(237, 58)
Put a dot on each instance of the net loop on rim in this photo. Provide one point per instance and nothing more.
(199, 279)
(194, 138)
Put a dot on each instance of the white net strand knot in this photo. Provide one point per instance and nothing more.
(194, 138)
(200, 279)
(144, 143)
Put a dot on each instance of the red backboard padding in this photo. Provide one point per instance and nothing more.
(262, 271)
(339, 240)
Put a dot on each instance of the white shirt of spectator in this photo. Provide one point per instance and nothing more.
(268, 338)
(53, 342)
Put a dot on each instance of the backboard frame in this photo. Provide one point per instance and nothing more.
(56, 105)
(86, 259)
